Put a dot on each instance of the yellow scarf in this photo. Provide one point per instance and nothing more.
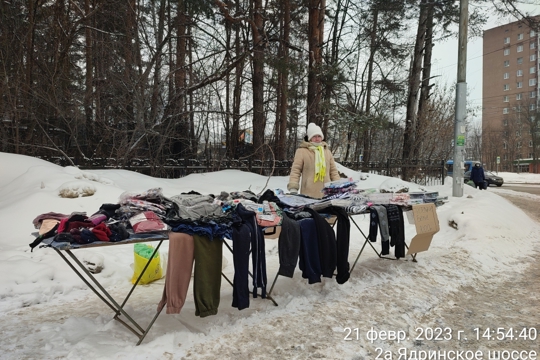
(320, 162)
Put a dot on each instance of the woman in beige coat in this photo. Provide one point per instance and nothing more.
(313, 165)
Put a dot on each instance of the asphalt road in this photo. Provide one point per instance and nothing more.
(531, 189)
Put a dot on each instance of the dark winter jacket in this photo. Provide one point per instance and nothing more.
(477, 174)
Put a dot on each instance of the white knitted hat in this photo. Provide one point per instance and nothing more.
(313, 130)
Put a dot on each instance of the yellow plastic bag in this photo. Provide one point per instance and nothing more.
(142, 253)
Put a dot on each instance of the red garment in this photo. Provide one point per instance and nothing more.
(102, 232)
(62, 225)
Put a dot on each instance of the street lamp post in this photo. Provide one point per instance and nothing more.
(461, 94)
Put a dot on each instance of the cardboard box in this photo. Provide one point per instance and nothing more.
(427, 224)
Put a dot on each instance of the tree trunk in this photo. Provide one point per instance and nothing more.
(283, 83)
(423, 117)
(89, 76)
(372, 50)
(27, 88)
(228, 118)
(181, 146)
(414, 83)
(156, 86)
(315, 37)
(129, 62)
(193, 141)
(237, 92)
(259, 120)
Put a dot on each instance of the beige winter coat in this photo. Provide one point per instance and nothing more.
(304, 166)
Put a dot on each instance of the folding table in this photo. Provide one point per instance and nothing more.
(332, 220)
(367, 241)
(90, 280)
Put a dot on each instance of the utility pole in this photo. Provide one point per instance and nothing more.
(461, 98)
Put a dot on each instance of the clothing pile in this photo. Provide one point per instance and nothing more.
(197, 224)
(196, 238)
(78, 228)
(342, 188)
(340, 193)
(145, 212)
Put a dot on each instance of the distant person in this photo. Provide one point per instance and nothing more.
(478, 177)
(313, 165)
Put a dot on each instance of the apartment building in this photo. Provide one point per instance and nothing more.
(510, 90)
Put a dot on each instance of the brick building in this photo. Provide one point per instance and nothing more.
(510, 90)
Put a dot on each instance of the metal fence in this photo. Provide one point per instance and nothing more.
(422, 172)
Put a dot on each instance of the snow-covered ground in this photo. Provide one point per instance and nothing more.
(47, 312)
(519, 178)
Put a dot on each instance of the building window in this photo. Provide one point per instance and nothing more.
(507, 40)
(505, 122)
(532, 107)
(506, 98)
(505, 110)
(506, 87)
(531, 58)
(520, 84)
(518, 134)
(506, 63)
(518, 109)
(520, 36)
(506, 52)
(532, 33)
(518, 144)
(506, 75)
(531, 118)
(505, 156)
(519, 73)
(519, 48)
(532, 70)
(532, 94)
(519, 96)
(532, 82)
(530, 145)
(520, 60)
(532, 45)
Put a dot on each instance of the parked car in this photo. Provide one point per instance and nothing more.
(491, 178)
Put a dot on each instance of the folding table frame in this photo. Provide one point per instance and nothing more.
(366, 242)
(89, 279)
